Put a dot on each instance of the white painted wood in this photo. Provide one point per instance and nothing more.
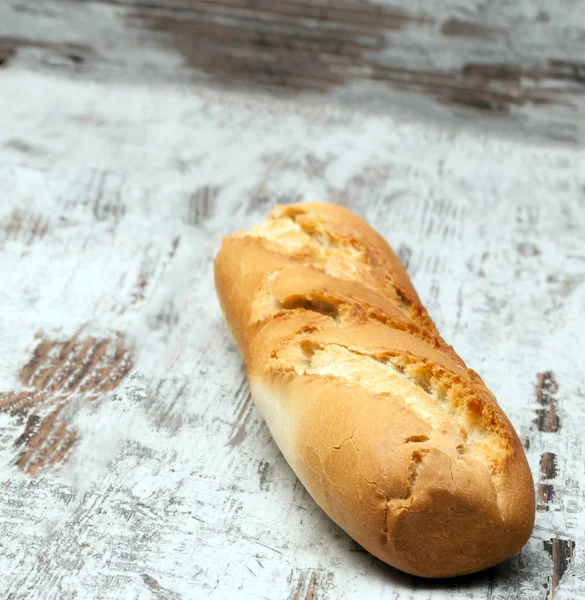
(114, 200)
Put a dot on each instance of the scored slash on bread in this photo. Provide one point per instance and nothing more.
(393, 436)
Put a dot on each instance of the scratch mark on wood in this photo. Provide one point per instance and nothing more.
(151, 582)
(139, 288)
(312, 587)
(147, 269)
(265, 471)
(309, 583)
(102, 194)
(239, 432)
(261, 197)
(561, 552)
(158, 590)
(57, 375)
(548, 471)
(104, 210)
(174, 246)
(173, 390)
(23, 147)
(10, 45)
(547, 419)
(554, 70)
(528, 249)
(166, 318)
(153, 264)
(405, 254)
(299, 587)
(202, 204)
(107, 203)
(24, 227)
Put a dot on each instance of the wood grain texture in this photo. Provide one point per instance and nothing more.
(516, 67)
(171, 486)
(57, 374)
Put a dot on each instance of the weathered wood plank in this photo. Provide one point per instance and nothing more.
(115, 198)
(475, 63)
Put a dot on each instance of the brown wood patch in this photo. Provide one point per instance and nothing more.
(103, 194)
(460, 28)
(23, 147)
(60, 373)
(548, 471)
(561, 552)
(548, 465)
(309, 584)
(547, 419)
(306, 592)
(74, 53)
(202, 203)
(24, 227)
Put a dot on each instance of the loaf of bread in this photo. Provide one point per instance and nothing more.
(399, 442)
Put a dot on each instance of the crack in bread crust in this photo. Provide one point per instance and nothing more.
(431, 399)
(344, 310)
(339, 253)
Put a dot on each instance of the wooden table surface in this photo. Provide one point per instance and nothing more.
(132, 461)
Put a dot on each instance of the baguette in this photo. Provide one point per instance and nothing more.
(399, 442)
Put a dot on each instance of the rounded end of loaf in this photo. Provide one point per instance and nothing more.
(463, 516)
(462, 527)
(411, 499)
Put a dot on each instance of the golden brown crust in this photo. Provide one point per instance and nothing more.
(400, 443)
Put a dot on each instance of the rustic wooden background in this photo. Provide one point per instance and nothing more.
(514, 66)
(132, 461)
